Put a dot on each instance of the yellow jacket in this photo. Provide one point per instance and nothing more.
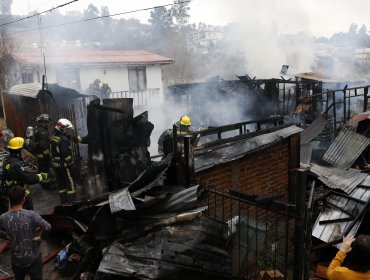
(337, 272)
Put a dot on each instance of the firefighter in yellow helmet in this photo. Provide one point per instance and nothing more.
(165, 140)
(14, 173)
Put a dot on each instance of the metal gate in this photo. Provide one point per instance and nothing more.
(263, 236)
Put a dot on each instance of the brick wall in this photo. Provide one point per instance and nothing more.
(264, 172)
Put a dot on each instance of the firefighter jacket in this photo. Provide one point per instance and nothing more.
(14, 174)
(181, 131)
(40, 146)
(61, 150)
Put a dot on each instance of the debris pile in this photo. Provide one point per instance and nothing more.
(148, 230)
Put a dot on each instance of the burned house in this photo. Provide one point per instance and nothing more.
(234, 205)
(23, 103)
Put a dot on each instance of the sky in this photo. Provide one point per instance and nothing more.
(316, 17)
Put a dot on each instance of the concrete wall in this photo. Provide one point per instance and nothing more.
(115, 75)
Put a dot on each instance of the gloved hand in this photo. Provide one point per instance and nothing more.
(43, 177)
(27, 142)
(77, 138)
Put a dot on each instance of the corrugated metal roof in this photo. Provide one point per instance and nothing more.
(335, 231)
(314, 129)
(80, 56)
(29, 90)
(346, 148)
(240, 148)
(337, 178)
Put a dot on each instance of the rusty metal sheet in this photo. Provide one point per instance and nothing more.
(314, 129)
(337, 178)
(238, 149)
(346, 148)
(315, 77)
(357, 118)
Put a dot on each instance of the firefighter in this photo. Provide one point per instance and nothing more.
(5, 135)
(15, 174)
(165, 141)
(105, 89)
(62, 160)
(39, 143)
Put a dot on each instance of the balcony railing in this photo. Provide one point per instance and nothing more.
(140, 98)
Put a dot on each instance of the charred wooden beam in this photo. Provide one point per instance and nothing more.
(333, 221)
(189, 160)
(348, 197)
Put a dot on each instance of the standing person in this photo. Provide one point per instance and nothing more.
(21, 227)
(5, 135)
(39, 143)
(62, 160)
(358, 261)
(14, 174)
(166, 138)
(105, 90)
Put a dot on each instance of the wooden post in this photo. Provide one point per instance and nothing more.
(366, 91)
(344, 106)
(334, 116)
(3, 105)
(189, 160)
(299, 178)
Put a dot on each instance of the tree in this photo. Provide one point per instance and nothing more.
(5, 7)
(106, 23)
(92, 25)
(161, 23)
(353, 29)
(180, 13)
(363, 37)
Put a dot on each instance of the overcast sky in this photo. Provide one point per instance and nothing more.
(317, 17)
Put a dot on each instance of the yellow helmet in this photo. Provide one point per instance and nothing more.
(185, 120)
(16, 143)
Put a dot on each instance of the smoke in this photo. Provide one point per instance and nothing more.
(209, 104)
(259, 35)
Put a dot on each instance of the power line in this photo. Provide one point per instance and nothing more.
(24, 11)
(40, 13)
(99, 17)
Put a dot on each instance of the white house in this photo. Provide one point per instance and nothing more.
(129, 71)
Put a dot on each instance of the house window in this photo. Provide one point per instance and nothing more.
(27, 78)
(137, 78)
(69, 78)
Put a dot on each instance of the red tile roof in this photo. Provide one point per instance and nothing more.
(68, 56)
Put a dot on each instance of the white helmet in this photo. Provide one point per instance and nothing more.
(63, 124)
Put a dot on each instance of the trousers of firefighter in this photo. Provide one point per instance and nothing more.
(54, 156)
(37, 142)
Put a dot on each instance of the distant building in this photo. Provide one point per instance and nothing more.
(362, 54)
(77, 68)
(205, 38)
